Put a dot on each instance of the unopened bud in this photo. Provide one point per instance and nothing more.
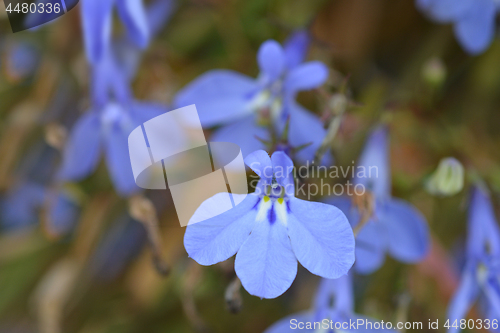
(434, 72)
(338, 103)
(448, 179)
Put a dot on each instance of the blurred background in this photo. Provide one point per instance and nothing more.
(97, 263)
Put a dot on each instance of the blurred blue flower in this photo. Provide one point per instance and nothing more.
(21, 206)
(270, 230)
(393, 225)
(121, 243)
(21, 60)
(247, 107)
(97, 24)
(333, 307)
(114, 113)
(105, 128)
(480, 276)
(473, 20)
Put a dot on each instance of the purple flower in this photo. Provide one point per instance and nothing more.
(480, 276)
(22, 59)
(21, 206)
(106, 126)
(332, 311)
(97, 24)
(121, 243)
(246, 107)
(114, 113)
(473, 20)
(270, 230)
(395, 226)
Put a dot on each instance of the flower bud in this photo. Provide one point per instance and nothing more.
(434, 72)
(448, 179)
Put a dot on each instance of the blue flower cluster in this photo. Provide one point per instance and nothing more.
(473, 20)
(273, 229)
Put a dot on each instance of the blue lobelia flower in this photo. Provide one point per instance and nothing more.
(247, 108)
(97, 24)
(481, 275)
(332, 312)
(270, 230)
(120, 244)
(21, 205)
(22, 60)
(114, 113)
(391, 225)
(106, 126)
(473, 20)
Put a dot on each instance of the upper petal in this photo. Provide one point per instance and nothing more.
(220, 237)
(133, 15)
(265, 262)
(296, 47)
(482, 226)
(463, 298)
(445, 10)
(96, 22)
(271, 59)
(118, 161)
(373, 165)
(305, 127)
(370, 241)
(244, 132)
(476, 28)
(406, 229)
(305, 77)
(81, 153)
(282, 167)
(220, 96)
(260, 162)
(340, 290)
(321, 237)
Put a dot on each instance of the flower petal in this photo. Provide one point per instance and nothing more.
(260, 162)
(482, 225)
(62, 215)
(282, 167)
(374, 161)
(220, 96)
(321, 237)
(244, 133)
(133, 15)
(120, 244)
(306, 77)
(290, 323)
(448, 10)
(96, 21)
(20, 207)
(118, 161)
(370, 248)
(338, 289)
(82, 150)
(265, 262)
(370, 245)
(296, 47)
(271, 59)
(476, 28)
(158, 14)
(406, 229)
(306, 127)
(220, 237)
(463, 298)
